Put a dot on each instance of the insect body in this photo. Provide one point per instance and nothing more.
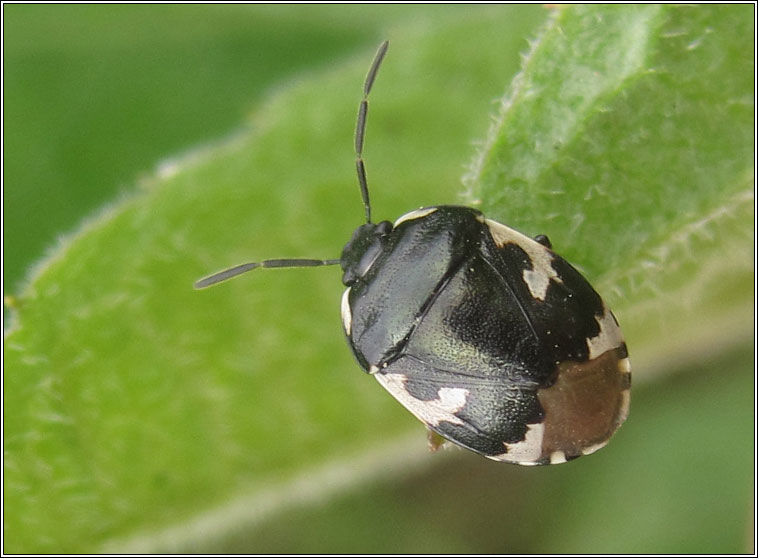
(487, 336)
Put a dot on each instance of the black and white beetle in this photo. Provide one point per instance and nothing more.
(490, 338)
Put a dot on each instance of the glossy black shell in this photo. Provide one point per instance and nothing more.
(443, 302)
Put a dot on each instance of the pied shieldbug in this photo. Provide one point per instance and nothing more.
(487, 336)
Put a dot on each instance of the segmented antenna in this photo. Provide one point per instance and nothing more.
(360, 131)
(360, 128)
(242, 268)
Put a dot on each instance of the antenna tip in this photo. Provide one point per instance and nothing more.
(200, 284)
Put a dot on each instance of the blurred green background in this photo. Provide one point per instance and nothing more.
(97, 98)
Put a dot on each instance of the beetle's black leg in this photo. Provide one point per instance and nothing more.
(544, 240)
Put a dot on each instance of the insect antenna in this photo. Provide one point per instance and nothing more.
(360, 131)
(243, 268)
(360, 128)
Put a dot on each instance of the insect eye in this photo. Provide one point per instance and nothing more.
(383, 228)
(364, 248)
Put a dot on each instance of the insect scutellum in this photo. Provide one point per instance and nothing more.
(360, 132)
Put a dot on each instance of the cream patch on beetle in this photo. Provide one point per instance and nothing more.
(557, 457)
(609, 336)
(526, 452)
(415, 214)
(442, 409)
(537, 282)
(537, 278)
(347, 316)
(593, 448)
(624, 407)
(624, 366)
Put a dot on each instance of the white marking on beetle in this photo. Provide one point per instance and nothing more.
(537, 282)
(415, 214)
(609, 336)
(557, 457)
(347, 316)
(502, 458)
(538, 278)
(526, 452)
(624, 407)
(592, 449)
(449, 400)
(625, 366)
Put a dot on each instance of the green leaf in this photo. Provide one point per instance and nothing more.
(141, 415)
(134, 403)
(628, 138)
(673, 481)
(95, 95)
